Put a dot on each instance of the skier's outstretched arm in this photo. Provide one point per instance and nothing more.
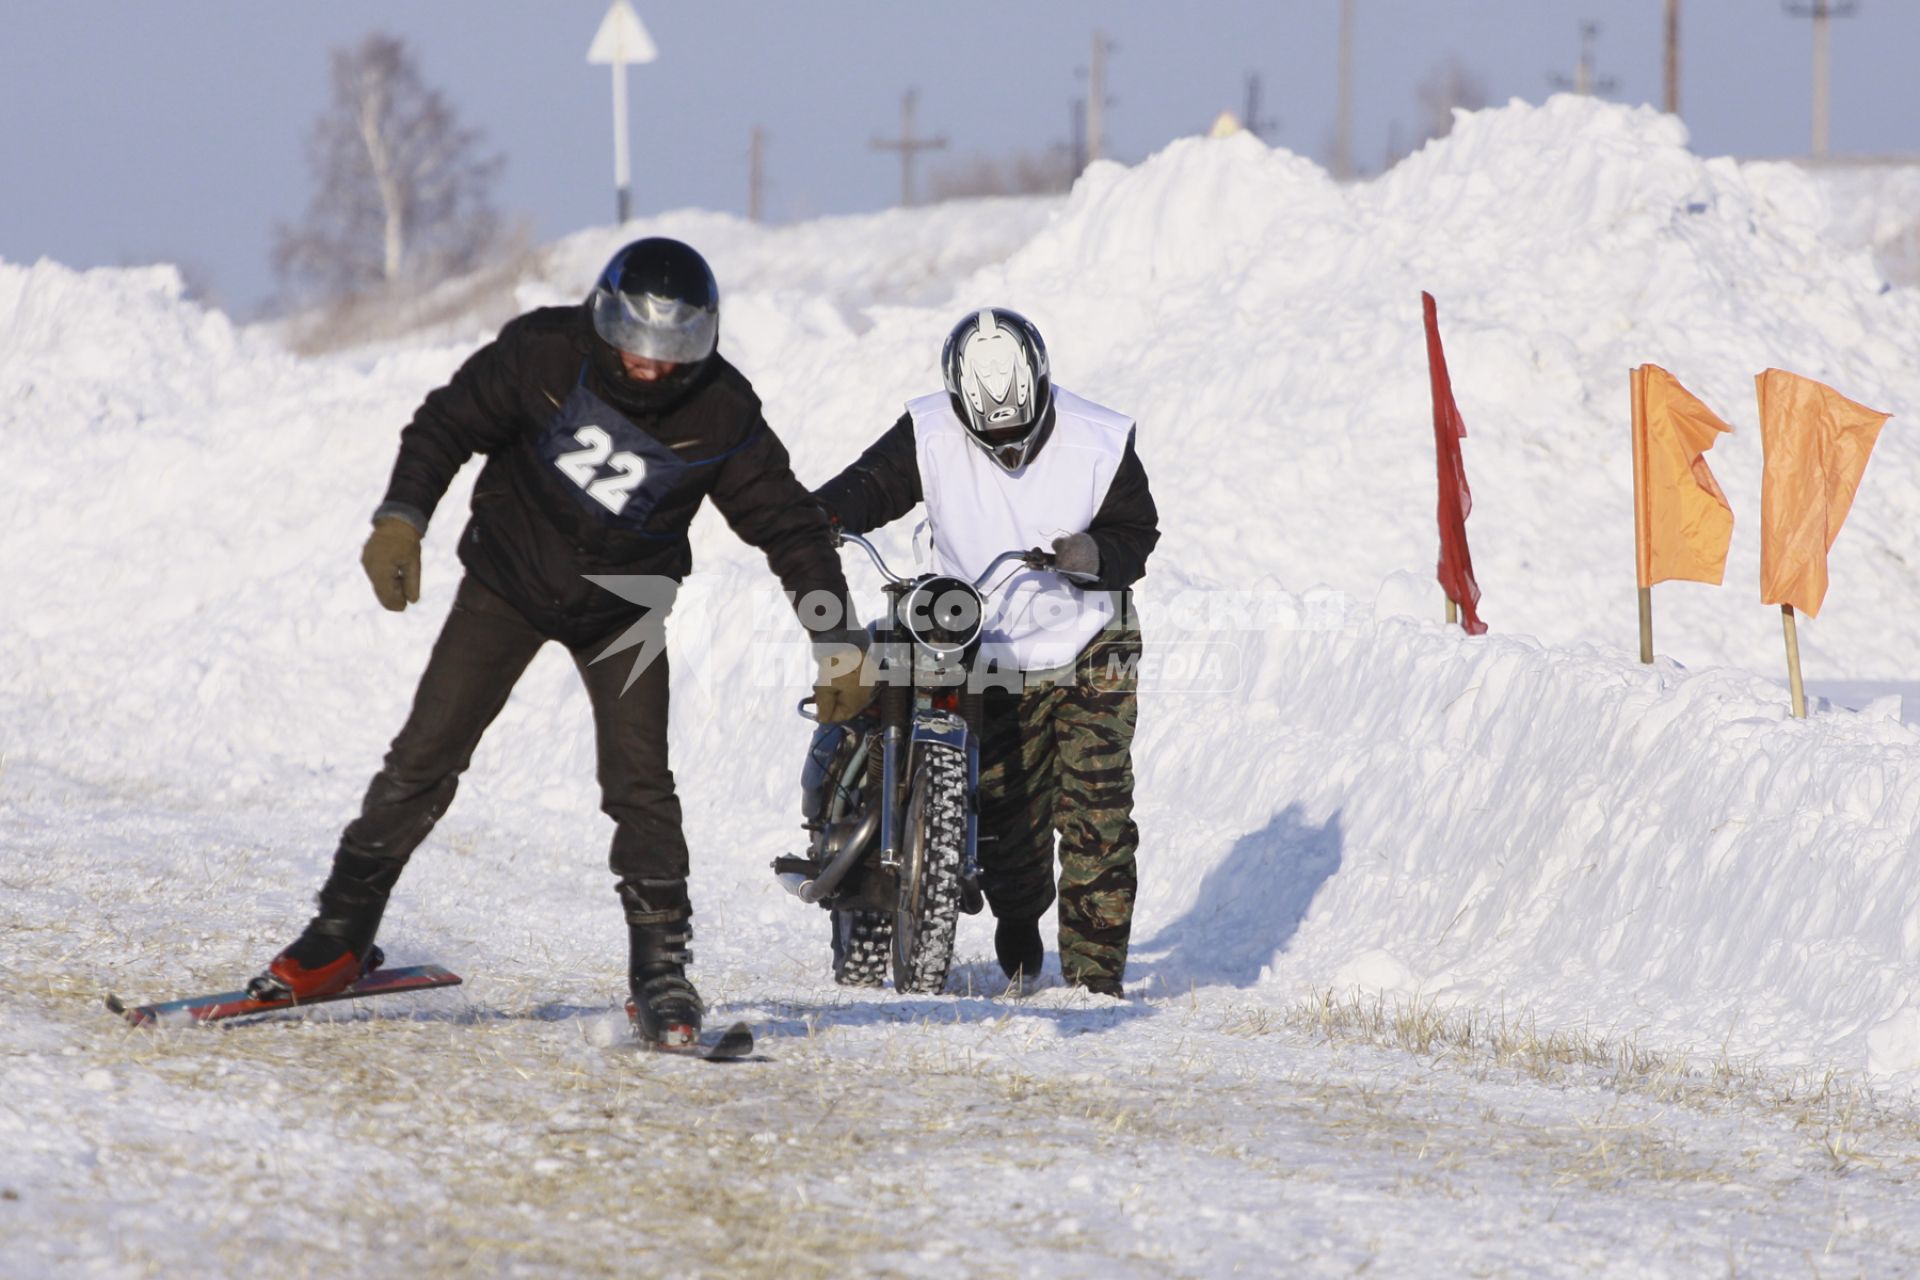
(882, 485)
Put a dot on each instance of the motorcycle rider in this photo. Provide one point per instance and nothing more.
(604, 426)
(1003, 458)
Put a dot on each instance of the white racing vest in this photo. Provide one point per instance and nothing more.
(1034, 620)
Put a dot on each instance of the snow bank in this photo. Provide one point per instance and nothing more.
(1876, 207)
(99, 327)
(1373, 801)
(1645, 850)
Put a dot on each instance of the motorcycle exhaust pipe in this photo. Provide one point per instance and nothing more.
(841, 862)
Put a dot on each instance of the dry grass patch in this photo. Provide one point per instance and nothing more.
(1840, 1116)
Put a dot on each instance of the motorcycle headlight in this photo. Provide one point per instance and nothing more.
(943, 616)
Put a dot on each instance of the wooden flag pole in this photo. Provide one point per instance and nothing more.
(1453, 612)
(1793, 662)
(1642, 536)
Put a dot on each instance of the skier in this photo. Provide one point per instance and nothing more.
(604, 425)
(1003, 459)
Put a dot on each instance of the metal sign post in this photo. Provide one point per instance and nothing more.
(621, 40)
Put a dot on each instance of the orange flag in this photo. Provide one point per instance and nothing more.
(1816, 443)
(1682, 523)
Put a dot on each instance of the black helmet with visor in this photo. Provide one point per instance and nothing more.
(657, 299)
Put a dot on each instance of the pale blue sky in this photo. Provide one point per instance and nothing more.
(173, 132)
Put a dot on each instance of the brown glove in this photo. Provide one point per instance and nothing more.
(840, 692)
(392, 561)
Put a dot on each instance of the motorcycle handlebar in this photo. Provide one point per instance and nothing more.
(1032, 558)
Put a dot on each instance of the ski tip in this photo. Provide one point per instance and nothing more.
(139, 1016)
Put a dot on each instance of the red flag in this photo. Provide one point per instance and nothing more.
(1456, 501)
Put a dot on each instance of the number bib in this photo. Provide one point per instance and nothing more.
(618, 472)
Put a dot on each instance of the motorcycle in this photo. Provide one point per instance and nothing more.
(888, 798)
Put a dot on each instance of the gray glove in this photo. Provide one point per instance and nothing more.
(1077, 556)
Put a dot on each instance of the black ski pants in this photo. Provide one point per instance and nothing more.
(481, 653)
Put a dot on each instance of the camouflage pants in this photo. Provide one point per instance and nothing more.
(1058, 757)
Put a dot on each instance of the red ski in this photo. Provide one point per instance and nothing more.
(238, 1004)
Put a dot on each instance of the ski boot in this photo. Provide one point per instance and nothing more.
(1017, 945)
(336, 948)
(663, 1006)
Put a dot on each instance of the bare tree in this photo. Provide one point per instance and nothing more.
(1020, 173)
(400, 187)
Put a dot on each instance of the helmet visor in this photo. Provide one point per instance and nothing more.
(655, 327)
(1008, 447)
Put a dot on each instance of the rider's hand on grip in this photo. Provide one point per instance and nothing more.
(1077, 556)
(392, 561)
(841, 692)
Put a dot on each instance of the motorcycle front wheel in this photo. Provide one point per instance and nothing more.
(930, 863)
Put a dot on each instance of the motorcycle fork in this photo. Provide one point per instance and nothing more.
(970, 857)
(896, 706)
(890, 738)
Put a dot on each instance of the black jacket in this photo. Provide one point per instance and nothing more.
(883, 484)
(527, 400)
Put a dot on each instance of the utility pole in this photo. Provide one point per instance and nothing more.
(756, 168)
(1820, 11)
(908, 144)
(1078, 112)
(1673, 57)
(1097, 100)
(1585, 82)
(1254, 123)
(1343, 108)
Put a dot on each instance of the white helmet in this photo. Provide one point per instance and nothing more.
(995, 368)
